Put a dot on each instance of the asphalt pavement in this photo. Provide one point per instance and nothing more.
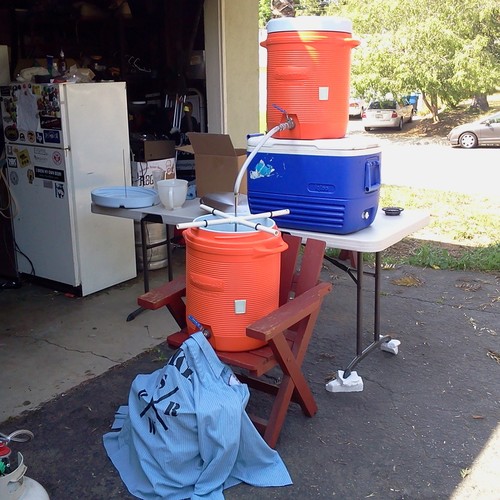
(425, 425)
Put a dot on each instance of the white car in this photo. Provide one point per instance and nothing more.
(387, 113)
(356, 106)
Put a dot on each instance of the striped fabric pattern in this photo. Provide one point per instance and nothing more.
(185, 432)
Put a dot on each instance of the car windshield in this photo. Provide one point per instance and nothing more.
(493, 118)
(382, 105)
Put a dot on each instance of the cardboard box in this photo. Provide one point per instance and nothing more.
(217, 163)
(152, 150)
(147, 173)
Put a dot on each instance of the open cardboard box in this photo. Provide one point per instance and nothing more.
(217, 163)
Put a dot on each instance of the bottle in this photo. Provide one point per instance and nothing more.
(62, 63)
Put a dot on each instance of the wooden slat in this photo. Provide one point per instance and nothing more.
(311, 264)
(162, 295)
(176, 339)
(258, 361)
(288, 263)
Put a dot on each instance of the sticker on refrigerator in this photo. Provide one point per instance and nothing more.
(11, 133)
(49, 108)
(52, 136)
(51, 174)
(30, 175)
(11, 162)
(14, 178)
(39, 137)
(59, 190)
(41, 156)
(57, 157)
(23, 157)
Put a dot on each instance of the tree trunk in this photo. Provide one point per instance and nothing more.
(432, 105)
(282, 8)
(480, 101)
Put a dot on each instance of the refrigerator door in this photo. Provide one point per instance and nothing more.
(95, 129)
(44, 234)
(31, 114)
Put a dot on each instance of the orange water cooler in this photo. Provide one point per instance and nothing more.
(308, 75)
(232, 279)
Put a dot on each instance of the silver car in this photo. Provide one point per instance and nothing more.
(387, 113)
(483, 132)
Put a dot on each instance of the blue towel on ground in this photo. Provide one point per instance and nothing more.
(185, 432)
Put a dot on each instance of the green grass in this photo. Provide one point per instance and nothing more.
(473, 259)
(464, 232)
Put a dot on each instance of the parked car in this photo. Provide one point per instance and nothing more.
(387, 113)
(483, 132)
(356, 106)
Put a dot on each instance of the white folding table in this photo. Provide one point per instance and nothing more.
(384, 232)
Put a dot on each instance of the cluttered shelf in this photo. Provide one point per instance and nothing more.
(107, 38)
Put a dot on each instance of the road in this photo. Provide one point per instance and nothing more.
(433, 163)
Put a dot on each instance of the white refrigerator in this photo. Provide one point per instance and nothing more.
(63, 141)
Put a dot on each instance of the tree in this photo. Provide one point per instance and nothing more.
(265, 12)
(448, 50)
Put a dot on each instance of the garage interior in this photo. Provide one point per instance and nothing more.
(206, 50)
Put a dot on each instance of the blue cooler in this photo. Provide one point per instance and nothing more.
(329, 185)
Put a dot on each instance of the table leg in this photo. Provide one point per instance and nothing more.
(376, 319)
(359, 306)
(169, 254)
(358, 279)
(145, 269)
(145, 266)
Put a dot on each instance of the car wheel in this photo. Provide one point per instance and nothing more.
(467, 140)
(400, 126)
(411, 118)
(367, 129)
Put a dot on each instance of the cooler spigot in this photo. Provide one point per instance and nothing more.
(288, 124)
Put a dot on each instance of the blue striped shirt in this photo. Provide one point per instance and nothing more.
(185, 432)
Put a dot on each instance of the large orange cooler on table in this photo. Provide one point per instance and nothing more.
(232, 280)
(308, 75)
